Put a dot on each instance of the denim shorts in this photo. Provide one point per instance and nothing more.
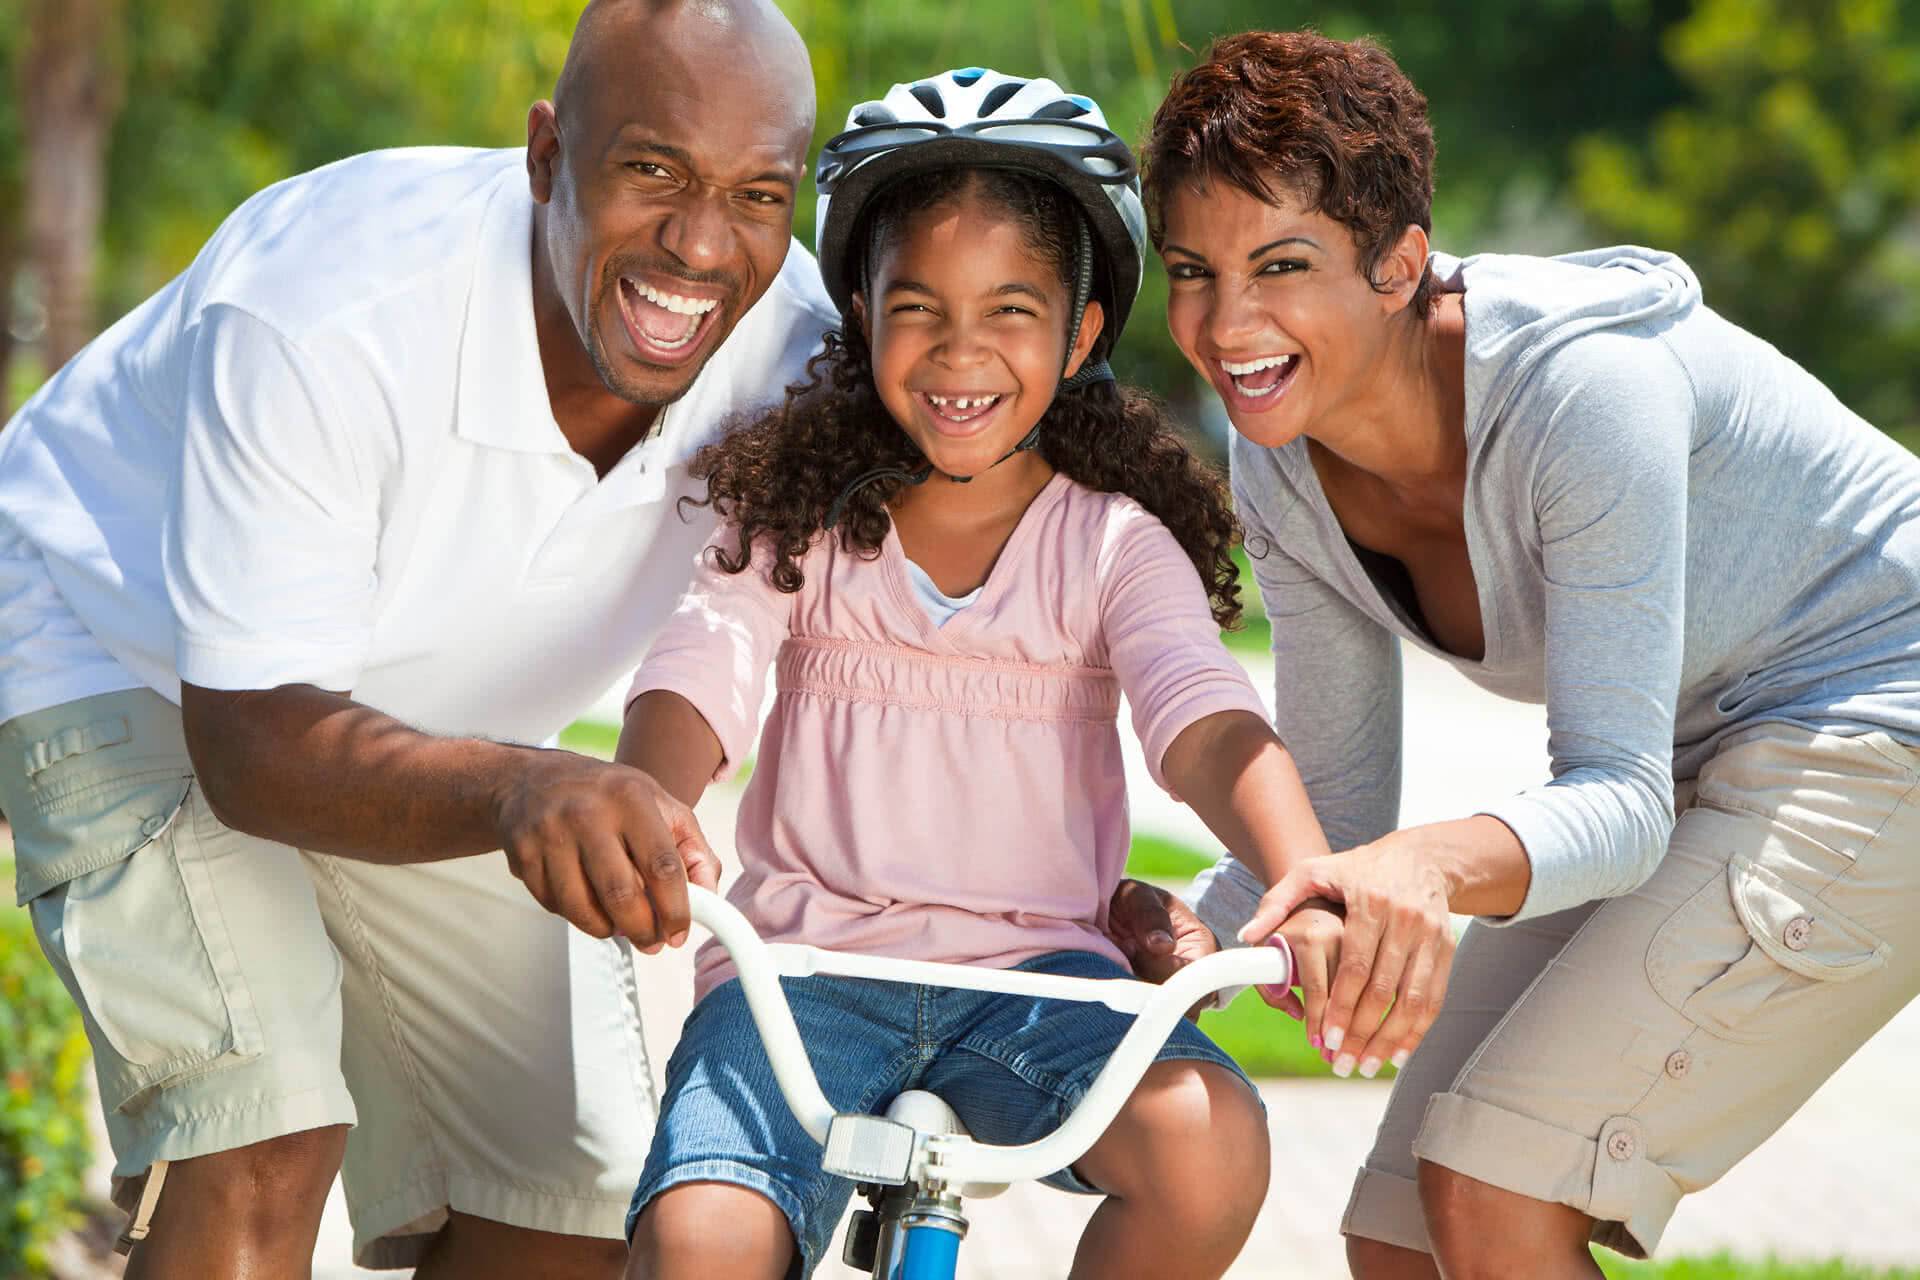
(1012, 1067)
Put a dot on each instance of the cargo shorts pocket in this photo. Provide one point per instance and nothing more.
(150, 959)
(1749, 957)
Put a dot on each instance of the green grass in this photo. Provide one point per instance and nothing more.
(1722, 1266)
(1266, 1042)
(1254, 635)
(1156, 858)
(590, 738)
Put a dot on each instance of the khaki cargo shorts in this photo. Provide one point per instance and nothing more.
(1619, 1055)
(235, 990)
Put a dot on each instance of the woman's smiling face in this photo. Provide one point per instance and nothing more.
(1267, 302)
(968, 329)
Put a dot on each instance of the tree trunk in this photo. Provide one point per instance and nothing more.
(71, 80)
(9, 263)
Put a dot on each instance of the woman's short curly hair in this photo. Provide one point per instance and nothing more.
(1333, 122)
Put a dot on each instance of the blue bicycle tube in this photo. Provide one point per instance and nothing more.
(933, 1253)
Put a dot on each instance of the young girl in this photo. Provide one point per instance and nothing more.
(958, 546)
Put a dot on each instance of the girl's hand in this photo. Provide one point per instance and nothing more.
(1395, 954)
(1158, 933)
(1313, 933)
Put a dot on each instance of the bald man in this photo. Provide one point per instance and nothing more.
(299, 562)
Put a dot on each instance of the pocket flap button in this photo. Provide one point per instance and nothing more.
(153, 826)
(1620, 1145)
(1679, 1062)
(1798, 933)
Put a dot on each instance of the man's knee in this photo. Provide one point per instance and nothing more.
(247, 1202)
(474, 1248)
(1478, 1229)
(1378, 1260)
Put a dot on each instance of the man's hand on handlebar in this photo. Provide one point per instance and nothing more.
(605, 847)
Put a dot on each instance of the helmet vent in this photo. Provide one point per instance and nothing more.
(873, 113)
(967, 77)
(998, 95)
(929, 98)
(1065, 109)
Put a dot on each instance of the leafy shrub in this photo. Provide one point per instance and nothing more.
(44, 1145)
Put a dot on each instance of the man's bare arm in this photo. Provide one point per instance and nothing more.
(601, 844)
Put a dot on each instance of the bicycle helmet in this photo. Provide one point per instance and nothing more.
(977, 118)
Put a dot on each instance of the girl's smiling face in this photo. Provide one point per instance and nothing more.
(967, 324)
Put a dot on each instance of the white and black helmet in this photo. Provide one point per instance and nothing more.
(976, 118)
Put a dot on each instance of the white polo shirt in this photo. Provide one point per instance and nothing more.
(325, 455)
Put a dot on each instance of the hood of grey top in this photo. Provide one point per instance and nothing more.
(1519, 309)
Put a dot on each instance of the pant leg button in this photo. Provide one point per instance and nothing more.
(1620, 1145)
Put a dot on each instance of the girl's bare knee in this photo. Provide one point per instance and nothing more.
(1192, 1141)
(702, 1229)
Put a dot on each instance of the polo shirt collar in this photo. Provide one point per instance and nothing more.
(502, 398)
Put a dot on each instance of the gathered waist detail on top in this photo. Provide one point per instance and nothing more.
(855, 671)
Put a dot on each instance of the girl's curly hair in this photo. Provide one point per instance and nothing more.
(776, 475)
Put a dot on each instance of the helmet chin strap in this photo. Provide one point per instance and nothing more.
(1090, 372)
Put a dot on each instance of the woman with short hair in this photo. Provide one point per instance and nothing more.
(1577, 484)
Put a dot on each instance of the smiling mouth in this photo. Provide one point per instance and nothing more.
(661, 323)
(961, 411)
(1260, 378)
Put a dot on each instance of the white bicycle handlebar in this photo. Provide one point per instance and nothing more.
(1157, 1009)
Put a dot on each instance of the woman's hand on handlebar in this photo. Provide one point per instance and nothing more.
(1395, 952)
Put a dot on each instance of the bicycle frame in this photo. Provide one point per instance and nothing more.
(911, 1147)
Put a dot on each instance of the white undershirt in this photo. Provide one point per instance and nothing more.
(939, 606)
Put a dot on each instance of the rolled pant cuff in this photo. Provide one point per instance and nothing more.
(205, 1133)
(1386, 1207)
(1610, 1178)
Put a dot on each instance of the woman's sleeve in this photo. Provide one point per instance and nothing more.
(717, 646)
(1162, 642)
(1609, 488)
(1336, 695)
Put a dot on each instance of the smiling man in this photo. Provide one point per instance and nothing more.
(297, 561)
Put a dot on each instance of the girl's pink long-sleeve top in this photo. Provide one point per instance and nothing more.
(947, 793)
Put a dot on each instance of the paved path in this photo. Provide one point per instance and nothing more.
(1842, 1177)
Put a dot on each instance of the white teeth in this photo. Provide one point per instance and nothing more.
(1254, 366)
(963, 402)
(674, 302)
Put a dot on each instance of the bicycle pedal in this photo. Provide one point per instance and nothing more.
(868, 1149)
(861, 1250)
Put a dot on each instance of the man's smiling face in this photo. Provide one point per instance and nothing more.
(668, 163)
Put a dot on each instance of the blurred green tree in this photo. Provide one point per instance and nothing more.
(1791, 182)
(12, 182)
(1770, 141)
(1513, 83)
